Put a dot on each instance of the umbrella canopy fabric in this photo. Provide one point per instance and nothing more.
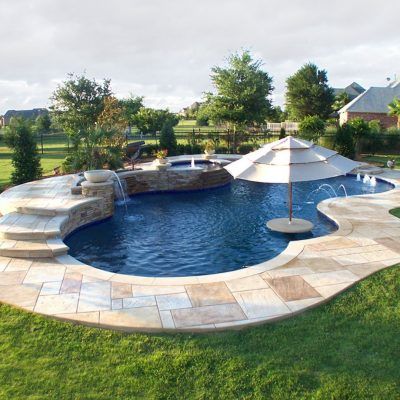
(290, 160)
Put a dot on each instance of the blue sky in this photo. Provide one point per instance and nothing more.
(164, 50)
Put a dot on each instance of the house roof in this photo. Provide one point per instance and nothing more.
(353, 90)
(25, 113)
(374, 100)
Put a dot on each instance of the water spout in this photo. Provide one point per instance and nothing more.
(372, 181)
(330, 187)
(366, 179)
(319, 189)
(344, 189)
(121, 191)
(358, 177)
(192, 164)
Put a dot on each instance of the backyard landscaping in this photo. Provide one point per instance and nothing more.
(54, 152)
(347, 349)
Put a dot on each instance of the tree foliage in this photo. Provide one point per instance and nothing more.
(312, 128)
(277, 114)
(340, 101)
(243, 92)
(131, 107)
(344, 141)
(77, 104)
(149, 120)
(93, 119)
(168, 139)
(25, 158)
(43, 124)
(394, 109)
(360, 128)
(308, 93)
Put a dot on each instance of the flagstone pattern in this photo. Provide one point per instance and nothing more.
(38, 275)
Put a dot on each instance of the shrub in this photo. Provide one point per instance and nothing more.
(312, 128)
(150, 149)
(375, 127)
(344, 141)
(393, 139)
(222, 150)
(282, 133)
(245, 148)
(168, 139)
(359, 127)
(25, 158)
(196, 149)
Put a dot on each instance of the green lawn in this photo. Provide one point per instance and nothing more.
(347, 349)
(381, 159)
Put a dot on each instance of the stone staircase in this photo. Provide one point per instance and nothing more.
(38, 235)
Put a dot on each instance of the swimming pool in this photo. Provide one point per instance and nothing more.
(205, 232)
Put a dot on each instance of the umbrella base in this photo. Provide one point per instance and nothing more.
(296, 226)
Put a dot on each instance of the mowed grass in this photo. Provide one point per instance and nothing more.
(346, 349)
(382, 159)
(54, 148)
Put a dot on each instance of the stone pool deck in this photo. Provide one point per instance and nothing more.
(37, 274)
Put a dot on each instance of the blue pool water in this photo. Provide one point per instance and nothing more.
(204, 232)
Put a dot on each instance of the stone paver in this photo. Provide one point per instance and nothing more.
(291, 288)
(209, 294)
(189, 317)
(173, 301)
(307, 274)
(261, 303)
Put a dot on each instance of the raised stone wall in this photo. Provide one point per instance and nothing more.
(174, 180)
(84, 214)
(100, 208)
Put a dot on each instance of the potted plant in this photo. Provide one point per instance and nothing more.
(161, 156)
(209, 148)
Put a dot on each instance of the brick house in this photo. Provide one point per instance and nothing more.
(372, 105)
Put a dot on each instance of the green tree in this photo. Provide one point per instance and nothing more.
(360, 129)
(131, 107)
(308, 93)
(77, 104)
(149, 120)
(168, 139)
(43, 124)
(277, 115)
(344, 141)
(25, 158)
(203, 115)
(243, 92)
(340, 101)
(394, 109)
(312, 128)
(94, 120)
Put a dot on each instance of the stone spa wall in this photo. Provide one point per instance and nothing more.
(174, 180)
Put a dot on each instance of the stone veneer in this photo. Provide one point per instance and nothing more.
(143, 181)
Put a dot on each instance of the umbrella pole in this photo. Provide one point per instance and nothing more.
(290, 203)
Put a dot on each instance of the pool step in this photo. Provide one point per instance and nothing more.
(17, 226)
(33, 248)
(58, 209)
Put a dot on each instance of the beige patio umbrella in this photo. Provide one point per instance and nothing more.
(290, 160)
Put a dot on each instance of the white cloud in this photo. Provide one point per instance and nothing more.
(164, 50)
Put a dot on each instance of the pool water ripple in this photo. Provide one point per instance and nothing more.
(204, 232)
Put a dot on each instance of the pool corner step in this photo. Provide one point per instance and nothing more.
(16, 226)
(33, 248)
